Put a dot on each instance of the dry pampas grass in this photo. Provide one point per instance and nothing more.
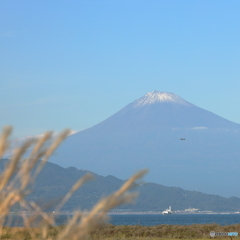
(22, 171)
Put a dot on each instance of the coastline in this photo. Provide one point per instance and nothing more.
(131, 213)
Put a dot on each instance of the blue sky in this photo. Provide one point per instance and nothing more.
(75, 63)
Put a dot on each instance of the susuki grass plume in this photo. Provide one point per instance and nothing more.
(21, 171)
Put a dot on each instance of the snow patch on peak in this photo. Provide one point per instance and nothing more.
(160, 97)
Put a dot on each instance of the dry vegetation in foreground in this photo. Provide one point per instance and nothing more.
(16, 180)
(195, 231)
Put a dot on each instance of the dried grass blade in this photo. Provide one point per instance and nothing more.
(12, 166)
(3, 140)
(50, 151)
(76, 186)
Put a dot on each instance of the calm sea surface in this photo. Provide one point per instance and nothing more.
(154, 219)
(174, 219)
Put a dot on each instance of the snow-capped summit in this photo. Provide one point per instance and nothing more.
(156, 96)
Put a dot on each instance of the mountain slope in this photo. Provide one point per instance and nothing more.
(146, 134)
(54, 182)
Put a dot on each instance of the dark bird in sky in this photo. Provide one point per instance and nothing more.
(182, 138)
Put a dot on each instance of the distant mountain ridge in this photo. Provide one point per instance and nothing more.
(146, 134)
(54, 182)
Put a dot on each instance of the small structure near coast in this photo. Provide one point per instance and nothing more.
(167, 211)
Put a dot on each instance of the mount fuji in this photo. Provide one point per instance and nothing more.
(181, 144)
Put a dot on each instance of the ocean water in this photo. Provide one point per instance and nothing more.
(152, 219)
(174, 219)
